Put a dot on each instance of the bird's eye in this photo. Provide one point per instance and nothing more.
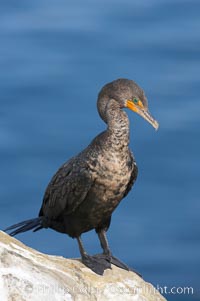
(135, 100)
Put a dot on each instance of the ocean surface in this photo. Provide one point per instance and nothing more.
(54, 58)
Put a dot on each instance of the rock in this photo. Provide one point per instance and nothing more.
(28, 275)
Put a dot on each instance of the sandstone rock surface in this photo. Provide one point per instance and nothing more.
(28, 275)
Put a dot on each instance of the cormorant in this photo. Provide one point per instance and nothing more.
(85, 191)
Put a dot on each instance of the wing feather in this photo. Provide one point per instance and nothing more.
(67, 189)
(133, 176)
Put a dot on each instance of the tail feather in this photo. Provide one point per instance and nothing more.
(38, 228)
(31, 224)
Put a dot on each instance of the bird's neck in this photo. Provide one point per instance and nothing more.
(118, 126)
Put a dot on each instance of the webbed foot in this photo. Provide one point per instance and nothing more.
(97, 263)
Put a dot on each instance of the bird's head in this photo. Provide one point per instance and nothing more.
(128, 95)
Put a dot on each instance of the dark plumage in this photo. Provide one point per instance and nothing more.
(86, 190)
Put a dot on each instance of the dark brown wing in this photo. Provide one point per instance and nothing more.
(133, 176)
(67, 189)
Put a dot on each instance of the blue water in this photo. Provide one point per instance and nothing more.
(54, 58)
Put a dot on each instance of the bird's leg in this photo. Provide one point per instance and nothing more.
(104, 242)
(107, 251)
(108, 254)
(81, 247)
(96, 263)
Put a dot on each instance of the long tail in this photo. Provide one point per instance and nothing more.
(34, 224)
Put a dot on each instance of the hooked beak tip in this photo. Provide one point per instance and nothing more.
(156, 125)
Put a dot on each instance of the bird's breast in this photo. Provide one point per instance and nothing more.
(111, 176)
